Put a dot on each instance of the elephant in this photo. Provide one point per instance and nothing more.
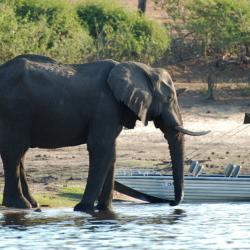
(246, 118)
(46, 104)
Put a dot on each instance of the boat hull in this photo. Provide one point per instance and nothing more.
(200, 189)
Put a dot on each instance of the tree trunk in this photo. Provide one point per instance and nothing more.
(247, 50)
(210, 87)
(142, 5)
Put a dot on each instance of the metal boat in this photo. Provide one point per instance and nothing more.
(153, 186)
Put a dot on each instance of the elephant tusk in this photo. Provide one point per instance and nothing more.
(188, 132)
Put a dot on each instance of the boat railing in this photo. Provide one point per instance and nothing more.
(232, 170)
(195, 169)
(138, 172)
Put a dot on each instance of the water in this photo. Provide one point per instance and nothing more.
(132, 226)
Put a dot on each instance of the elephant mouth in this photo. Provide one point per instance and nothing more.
(192, 133)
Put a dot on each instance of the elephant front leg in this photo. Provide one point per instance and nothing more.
(101, 158)
(106, 196)
(13, 196)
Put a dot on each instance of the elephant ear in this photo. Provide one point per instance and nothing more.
(131, 85)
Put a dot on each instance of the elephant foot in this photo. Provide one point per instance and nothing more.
(104, 207)
(82, 207)
(16, 202)
(177, 200)
(32, 201)
(105, 215)
(174, 203)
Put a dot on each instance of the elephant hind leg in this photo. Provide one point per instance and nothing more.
(13, 195)
(25, 186)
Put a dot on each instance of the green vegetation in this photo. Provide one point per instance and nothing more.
(221, 26)
(42, 27)
(213, 29)
(78, 32)
(62, 197)
(93, 29)
(122, 34)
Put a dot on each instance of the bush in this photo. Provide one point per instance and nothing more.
(211, 28)
(16, 38)
(121, 34)
(221, 25)
(43, 28)
(74, 33)
(7, 25)
(33, 10)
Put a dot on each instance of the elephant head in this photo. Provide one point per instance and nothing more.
(150, 94)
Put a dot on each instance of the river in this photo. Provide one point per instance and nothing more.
(131, 226)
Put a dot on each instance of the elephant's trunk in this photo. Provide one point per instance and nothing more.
(176, 147)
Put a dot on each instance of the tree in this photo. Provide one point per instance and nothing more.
(216, 28)
(142, 5)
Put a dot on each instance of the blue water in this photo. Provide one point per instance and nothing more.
(131, 226)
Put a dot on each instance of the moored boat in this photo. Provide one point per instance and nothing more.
(153, 186)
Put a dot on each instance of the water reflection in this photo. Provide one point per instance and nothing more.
(131, 226)
(21, 219)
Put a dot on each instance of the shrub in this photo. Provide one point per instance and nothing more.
(33, 10)
(221, 25)
(122, 34)
(7, 25)
(213, 28)
(93, 29)
(16, 38)
(44, 28)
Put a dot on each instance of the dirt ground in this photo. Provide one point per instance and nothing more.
(145, 147)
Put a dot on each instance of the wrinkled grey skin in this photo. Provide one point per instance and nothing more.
(45, 104)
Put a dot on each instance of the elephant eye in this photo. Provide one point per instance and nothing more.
(166, 92)
(170, 98)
